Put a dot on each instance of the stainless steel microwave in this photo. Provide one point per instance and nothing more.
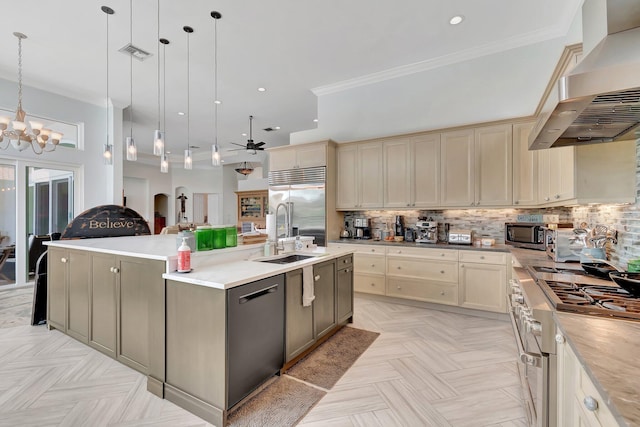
(525, 235)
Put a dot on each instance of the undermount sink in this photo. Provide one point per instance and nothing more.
(288, 259)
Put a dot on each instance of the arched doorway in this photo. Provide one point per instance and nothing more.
(160, 212)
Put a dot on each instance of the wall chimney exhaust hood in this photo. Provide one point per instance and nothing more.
(599, 100)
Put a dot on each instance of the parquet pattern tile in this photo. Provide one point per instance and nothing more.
(427, 368)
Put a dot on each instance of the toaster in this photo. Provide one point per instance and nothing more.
(460, 237)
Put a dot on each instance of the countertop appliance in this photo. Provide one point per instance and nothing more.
(598, 100)
(528, 235)
(298, 199)
(255, 334)
(361, 225)
(460, 236)
(426, 232)
(562, 244)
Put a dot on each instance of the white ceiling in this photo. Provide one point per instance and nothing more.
(306, 53)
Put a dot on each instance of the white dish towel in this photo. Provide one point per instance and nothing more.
(307, 286)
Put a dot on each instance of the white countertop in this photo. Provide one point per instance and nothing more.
(226, 273)
(159, 246)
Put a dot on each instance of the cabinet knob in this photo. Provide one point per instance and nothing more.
(399, 251)
(413, 204)
(557, 196)
(373, 250)
(399, 287)
(441, 292)
(373, 265)
(442, 271)
(408, 204)
(516, 202)
(398, 268)
(316, 278)
(590, 403)
(461, 265)
(546, 199)
(344, 261)
(346, 270)
(63, 260)
(441, 254)
(481, 256)
(559, 339)
(115, 270)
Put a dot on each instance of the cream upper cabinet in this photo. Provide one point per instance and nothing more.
(556, 179)
(298, 156)
(477, 167)
(412, 172)
(493, 166)
(359, 179)
(457, 161)
(525, 167)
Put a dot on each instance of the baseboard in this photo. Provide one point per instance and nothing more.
(207, 412)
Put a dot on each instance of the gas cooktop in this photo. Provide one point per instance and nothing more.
(580, 293)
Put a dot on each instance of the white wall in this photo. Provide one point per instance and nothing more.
(154, 183)
(229, 199)
(101, 184)
(205, 180)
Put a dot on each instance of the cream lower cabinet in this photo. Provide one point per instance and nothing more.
(483, 280)
(369, 269)
(579, 402)
(423, 274)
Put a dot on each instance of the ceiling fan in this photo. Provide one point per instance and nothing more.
(250, 146)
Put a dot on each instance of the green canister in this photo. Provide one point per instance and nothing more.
(232, 235)
(204, 238)
(219, 238)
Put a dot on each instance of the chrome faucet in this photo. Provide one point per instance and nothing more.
(287, 220)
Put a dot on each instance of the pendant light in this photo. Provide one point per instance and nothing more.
(158, 134)
(215, 148)
(188, 161)
(130, 143)
(107, 152)
(164, 156)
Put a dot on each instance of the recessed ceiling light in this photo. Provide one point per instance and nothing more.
(455, 20)
(181, 113)
(315, 120)
(243, 134)
(276, 127)
(261, 89)
(217, 101)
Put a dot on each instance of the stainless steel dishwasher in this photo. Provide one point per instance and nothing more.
(255, 335)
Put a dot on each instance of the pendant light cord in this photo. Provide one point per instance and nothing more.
(158, 56)
(188, 93)
(19, 73)
(215, 84)
(107, 55)
(131, 69)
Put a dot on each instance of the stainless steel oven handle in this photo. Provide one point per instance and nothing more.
(526, 358)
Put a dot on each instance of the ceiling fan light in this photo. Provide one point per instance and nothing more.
(19, 126)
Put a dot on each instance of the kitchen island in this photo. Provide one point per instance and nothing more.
(123, 297)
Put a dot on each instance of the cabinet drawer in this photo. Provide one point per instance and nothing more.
(370, 264)
(428, 253)
(371, 249)
(368, 284)
(445, 271)
(344, 262)
(442, 293)
(601, 415)
(483, 257)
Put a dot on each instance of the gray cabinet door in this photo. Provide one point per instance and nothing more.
(324, 306)
(299, 319)
(79, 275)
(57, 261)
(344, 292)
(103, 303)
(137, 278)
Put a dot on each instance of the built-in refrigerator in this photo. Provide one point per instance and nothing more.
(297, 197)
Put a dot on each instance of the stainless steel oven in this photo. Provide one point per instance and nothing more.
(534, 330)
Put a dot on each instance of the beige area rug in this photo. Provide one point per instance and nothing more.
(286, 401)
(326, 364)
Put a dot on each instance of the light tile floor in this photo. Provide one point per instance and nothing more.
(427, 368)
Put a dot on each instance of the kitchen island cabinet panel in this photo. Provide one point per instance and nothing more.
(57, 288)
(299, 319)
(138, 283)
(344, 289)
(79, 275)
(103, 328)
(324, 305)
(196, 347)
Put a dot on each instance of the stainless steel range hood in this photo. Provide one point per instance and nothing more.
(599, 100)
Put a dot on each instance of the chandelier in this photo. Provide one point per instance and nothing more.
(20, 134)
(245, 168)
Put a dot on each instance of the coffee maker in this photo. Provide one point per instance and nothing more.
(427, 232)
(361, 224)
